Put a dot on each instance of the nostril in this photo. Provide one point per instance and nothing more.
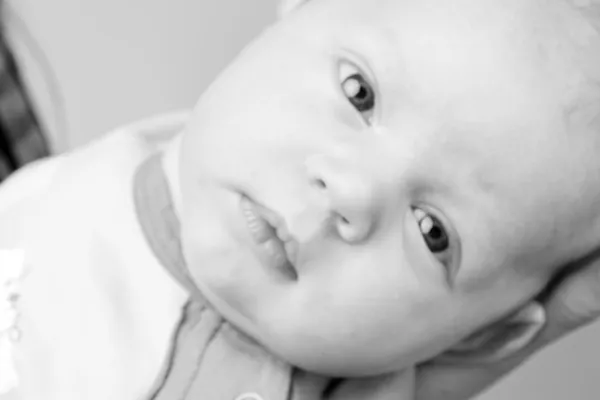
(348, 230)
(320, 183)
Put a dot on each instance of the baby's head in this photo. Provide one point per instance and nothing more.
(433, 162)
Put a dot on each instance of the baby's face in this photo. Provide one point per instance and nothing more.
(420, 158)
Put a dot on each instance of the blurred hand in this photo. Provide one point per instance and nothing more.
(571, 302)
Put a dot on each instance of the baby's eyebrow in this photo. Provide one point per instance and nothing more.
(378, 47)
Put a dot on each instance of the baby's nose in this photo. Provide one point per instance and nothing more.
(351, 196)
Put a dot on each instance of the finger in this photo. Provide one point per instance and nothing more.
(574, 303)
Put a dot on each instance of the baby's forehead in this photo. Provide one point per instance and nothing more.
(485, 39)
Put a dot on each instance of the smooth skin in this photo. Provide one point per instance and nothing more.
(470, 116)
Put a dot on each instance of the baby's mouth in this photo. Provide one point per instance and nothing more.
(274, 245)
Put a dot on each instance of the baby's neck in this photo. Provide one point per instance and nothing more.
(170, 164)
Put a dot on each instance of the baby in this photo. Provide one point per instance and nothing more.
(369, 185)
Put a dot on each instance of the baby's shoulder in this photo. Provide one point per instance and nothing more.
(88, 178)
(92, 286)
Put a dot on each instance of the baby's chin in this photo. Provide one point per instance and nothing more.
(280, 335)
(334, 357)
(321, 353)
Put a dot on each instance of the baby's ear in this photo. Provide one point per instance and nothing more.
(502, 339)
(287, 6)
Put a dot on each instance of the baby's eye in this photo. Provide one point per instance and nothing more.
(357, 90)
(433, 231)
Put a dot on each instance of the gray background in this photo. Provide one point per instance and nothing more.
(119, 60)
